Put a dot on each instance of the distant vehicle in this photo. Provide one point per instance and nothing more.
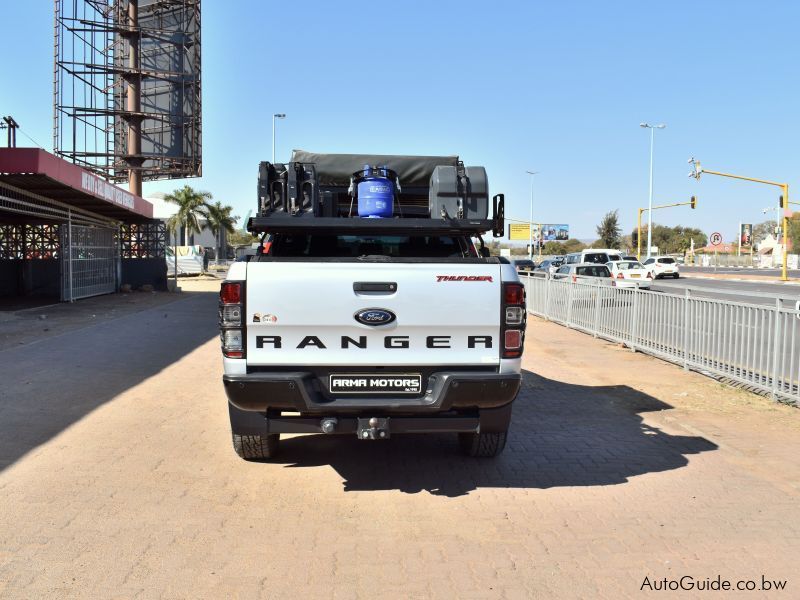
(549, 266)
(524, 265)
(583, 270)
(630, 274)
(662, 266)
(630, 258)
(598, 256)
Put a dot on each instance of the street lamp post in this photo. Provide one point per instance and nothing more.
(275, 116)
(652, 129)
(530, 222)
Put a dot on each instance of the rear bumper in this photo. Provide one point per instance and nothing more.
(300, 392)
(632, 283)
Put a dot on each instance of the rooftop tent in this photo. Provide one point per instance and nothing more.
(336, 169)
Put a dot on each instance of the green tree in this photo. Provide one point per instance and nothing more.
(671, 240)
(551, 248)
(241, 238)
(794, 233)
(191, 206)
(219, 219)
(762, 230)
(609, 230)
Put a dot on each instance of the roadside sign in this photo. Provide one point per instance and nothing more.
(716, 238)
(519, 231)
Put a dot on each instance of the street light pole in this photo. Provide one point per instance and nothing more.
(275, 116)
(530, 221)
(652, 129)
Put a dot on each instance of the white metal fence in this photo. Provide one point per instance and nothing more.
(754, 344)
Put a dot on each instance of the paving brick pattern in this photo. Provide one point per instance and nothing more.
(119, 481)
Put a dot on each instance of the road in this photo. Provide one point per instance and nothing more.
(766, 273)
(731, 290)
(118, 479)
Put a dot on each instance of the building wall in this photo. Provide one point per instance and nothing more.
(137, 272)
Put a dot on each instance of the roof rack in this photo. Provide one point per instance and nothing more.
(318, 193)
(398, 226)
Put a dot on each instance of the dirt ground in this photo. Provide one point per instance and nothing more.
(118, 480)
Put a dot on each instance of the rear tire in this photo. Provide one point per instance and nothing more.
(676, 276)
(482, 445)
(256, 447)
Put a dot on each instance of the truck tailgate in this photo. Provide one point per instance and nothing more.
(303, 313)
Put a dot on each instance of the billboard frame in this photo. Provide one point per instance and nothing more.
(107, 55)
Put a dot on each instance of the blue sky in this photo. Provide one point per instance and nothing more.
(557, 87)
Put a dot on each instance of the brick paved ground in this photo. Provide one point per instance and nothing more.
(119, 481)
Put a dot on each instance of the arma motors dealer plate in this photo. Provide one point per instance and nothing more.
(370, 383)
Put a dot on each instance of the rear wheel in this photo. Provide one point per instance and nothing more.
(483, 445)
(256, 447)
(677, 275)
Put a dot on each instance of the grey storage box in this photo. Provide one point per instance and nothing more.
(459, 193)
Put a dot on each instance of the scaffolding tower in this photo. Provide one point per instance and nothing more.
(126, 86)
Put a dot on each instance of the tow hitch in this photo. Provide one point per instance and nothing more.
(373, 428)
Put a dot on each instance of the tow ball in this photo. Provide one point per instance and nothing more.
(374, 428)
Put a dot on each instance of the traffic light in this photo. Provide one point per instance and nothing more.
(694, 202)
(781, 202)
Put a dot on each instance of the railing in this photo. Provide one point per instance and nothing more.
(754, 344)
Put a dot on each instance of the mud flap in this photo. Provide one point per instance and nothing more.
(495, 420)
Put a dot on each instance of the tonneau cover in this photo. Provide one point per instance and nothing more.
(336, 169)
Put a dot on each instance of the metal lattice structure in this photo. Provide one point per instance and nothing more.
(25, 241)
(143, 240)
(127, 101)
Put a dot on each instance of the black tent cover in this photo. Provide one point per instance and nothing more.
(336, 169)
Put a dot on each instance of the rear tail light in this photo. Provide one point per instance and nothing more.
(232, 343)
(514, 315)
(514, 293)
(620, 275)
(231, 308)
(574, 279)
(232, 315)
(512, 340)
(230, 292)
(649, 274)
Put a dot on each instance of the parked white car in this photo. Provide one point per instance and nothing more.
(662, 266)
(630, 274)
(598, 256)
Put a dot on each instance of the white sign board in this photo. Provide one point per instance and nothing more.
(505, 252)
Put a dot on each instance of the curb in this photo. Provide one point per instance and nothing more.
(684, 276)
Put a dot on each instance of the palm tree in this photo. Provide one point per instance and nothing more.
(219, 219)
(191, 205)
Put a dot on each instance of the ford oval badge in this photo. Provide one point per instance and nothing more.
(375, 316)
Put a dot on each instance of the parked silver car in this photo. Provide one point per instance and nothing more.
(584, 271)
